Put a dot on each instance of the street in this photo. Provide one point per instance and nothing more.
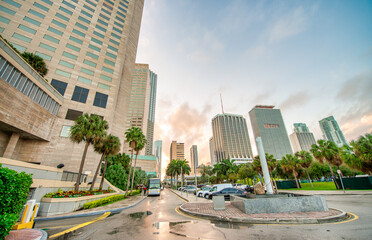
(158, 218)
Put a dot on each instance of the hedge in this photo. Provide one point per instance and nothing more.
(103, 201)
(14, 188)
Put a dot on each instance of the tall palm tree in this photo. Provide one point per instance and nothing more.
(110, 146)
(272, 164)
(171, 170)
(206, 170)
(88, 129)
(326, 151)
(139, 146)
(132, 137)
(36, 62)
(292, 164)
(305, 160)
(257, 166)
(186, 169)
(359, 154)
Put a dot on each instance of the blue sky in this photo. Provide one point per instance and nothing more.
(311, 59)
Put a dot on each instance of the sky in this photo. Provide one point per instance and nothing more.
(311, 59)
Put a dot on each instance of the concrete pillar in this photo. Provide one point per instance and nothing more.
(265, 169)
(8, 153)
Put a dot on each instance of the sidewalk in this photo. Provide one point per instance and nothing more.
(203, 208)
(326, 192)
(114, 207)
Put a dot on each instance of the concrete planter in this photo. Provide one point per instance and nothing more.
(280, 204)
(53, 206)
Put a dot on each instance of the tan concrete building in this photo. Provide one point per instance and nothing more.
(194, 159)
(177, 151)
(90, 49)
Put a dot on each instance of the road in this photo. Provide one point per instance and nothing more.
(157, 218)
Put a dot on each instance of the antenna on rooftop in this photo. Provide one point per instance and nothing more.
(222, 104)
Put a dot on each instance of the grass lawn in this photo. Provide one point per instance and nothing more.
(317, 186)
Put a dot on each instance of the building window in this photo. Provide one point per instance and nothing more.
(73, 114)
(80, 94)
(100, 100)
(59, 86)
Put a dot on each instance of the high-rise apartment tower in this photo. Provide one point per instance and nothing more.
(268, 124)
(194, 158)
(177, 151)
(231, 139)
(302, 138)
(90, 49)
(158, 150)
(332, 132)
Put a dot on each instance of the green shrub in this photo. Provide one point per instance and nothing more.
(136, 192)
(103, 201)
(14, 188)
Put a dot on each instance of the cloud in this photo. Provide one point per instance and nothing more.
(288, 25)
(356, 116)
(294, 100)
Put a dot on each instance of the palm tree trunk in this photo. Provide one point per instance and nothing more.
(294, 174)
(276, 187)
(95, 175)
(81, 166)
(333, 176)
(130, 170)
(176, 181)
(308, 176)
(104, 173)
(171, 181)
(134, 170)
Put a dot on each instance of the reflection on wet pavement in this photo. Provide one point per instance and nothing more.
(140, 214)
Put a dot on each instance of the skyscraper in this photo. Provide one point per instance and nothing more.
(230, 138)
(194, 162)
(158, 151)
(177, 151)
(332, 132)
(212, 151)
(302, 138)
(90, 49)
(141, 111)
(268, 124)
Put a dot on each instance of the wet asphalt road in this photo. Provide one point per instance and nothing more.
(156, 218)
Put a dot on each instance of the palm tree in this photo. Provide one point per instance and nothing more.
(326, 151)
(171, 170)
(132, 137)
(257, 166)
(305, 160)
(292, 164)
(110, 146)
(88, 129)
(272, 163)
(36, 62)
(139, 146)
(206, 170)
(186, 169)
(359, 154)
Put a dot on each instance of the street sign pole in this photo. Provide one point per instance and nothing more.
(342, 184)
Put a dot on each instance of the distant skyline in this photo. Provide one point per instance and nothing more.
(311, 59)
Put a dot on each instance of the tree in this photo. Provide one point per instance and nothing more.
(108, 145)
(120, 158)
(246, 171)
(141, 142)
(36, 62)
(117, 175)
(171, 170)
(326, 151)
(257, 166)
(359, 154)
(272, 164)
(305, 160)
(206, 171)
(132, 137)
(292, 164)
(185, 169)
(88, 129)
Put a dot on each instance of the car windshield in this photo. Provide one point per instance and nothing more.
(213, 189)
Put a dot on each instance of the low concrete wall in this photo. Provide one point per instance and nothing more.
(53, 206)
(280, 204)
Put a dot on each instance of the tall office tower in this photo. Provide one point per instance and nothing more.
(268, 124)
(212, 151)
(141, 111)
(302, 138)
(231, 139)
(90, 49)
(332, 132)
(194, 158)
(158, 151)
(151, 118)
(177, 151)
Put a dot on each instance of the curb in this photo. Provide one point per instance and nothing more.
(331, 194)
(115, 210)
(45, 234)
(179, 195)
(339, 216)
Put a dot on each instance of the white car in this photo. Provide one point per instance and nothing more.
(203, 191)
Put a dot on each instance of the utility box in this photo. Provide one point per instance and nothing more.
(219, 203)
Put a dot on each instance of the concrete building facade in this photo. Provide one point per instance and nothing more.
(177, 151)
(194, 161)
(332, 132)
(268, 124)
(302, 138)
(231, 139)
(90, 49)
(212, 151)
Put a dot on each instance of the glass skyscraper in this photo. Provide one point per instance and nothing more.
(268, 124)
(231, 139)
(332, 132)
(302, 138)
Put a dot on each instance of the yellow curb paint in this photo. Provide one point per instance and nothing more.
(351, 218)
(81, 225)
(179, 197)
(177, 209)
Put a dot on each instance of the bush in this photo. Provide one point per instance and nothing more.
(103, 201)
(14, 188)
(136, 192)
(72, 193)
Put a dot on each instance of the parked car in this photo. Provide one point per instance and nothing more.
(227, 192)
(203, 191)
(189, 189)
(217, 187)
(181, 188)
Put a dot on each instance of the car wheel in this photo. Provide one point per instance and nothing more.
(206, 196)
(199, 195)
